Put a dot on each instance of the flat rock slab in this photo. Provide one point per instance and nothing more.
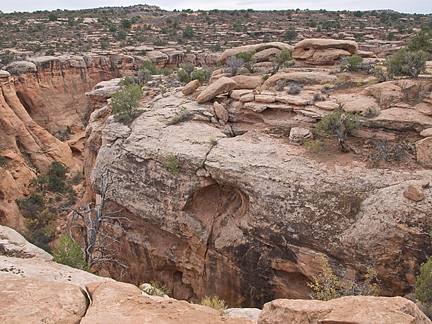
(117, 302)
(346, 310)
(31, 300)
(222, 85)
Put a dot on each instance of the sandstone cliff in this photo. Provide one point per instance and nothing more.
(244, 219)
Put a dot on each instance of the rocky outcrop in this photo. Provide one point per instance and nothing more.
(36, 290)
(245, 218)
(222, 85)
(323, 51)
(346, 310)
(52, 88)
(264, 51)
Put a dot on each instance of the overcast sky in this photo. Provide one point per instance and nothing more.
(416, 6)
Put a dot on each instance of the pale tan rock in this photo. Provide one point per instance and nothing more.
(355, 102)
(327, 57)
(267, 54)
(104, 90)
(254, 106)
(21, 67)
(385, 93)
(402, 119)
(118, 302)
(426, 132)
(247, 82)
(291, 99)
(346, 310)
(326, 105)
(265, 98)
(306, 48)
(298, 135)
(250, 314)
(31, 300)
(190, 87)
(236, 94)
(425, 184)
(221, 112)
(414, 193)
(248, 48)
(247, 97)
(298, 77)
(222, 85)
(424, 151)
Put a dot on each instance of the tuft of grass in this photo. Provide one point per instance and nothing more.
(215, 303)
(183, 116)
(172, 164)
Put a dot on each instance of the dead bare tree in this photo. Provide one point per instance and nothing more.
(99, 229)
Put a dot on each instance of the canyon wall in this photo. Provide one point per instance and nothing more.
(244, 219)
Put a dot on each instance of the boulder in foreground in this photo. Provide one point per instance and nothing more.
(346, 310)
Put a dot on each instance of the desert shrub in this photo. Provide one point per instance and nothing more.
(281, 60)
(326, 87)
(128, 80)
(327, 285)
(58, 169)
(313, 145)
(371, 112)
(421, 41)
(159, 42)
(188, 68)
(386, 151)
(291, 33)
(157, 290)
(215, 303)
(149, 66)
(198, 75)
(125, 101)
(144, 76)
(295, 89)
(172, 164)
(183, 76)
(183, 116)
(423, 289)
(379, 73)
(318, 97)
(404, 62)
(68, 252)
(351, 63)
(265, 77)
(188, 32)
(3, 161)
(234, 64)
(207, 71)
(339, 124)
(55, 183)
(248, 60)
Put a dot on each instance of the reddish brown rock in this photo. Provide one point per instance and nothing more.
(346, 310)
(190, 87)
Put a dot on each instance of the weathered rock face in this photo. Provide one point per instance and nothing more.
(37, 290)
(244, 219)
(52, 88)
(265, 51)
(323, 51)
(346, 310)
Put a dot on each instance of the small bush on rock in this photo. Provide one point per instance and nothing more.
(404, 62)
(68, 252)
(215, 303)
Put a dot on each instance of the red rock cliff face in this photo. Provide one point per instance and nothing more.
(52, 89)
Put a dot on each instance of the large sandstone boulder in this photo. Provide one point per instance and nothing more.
(190, 87)
(247, 82)
(346, 310)
(299, 77)
(222, 85)
(104, 90)
(116, 302)
(424, 151)
(323, 51)
(31, 300)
